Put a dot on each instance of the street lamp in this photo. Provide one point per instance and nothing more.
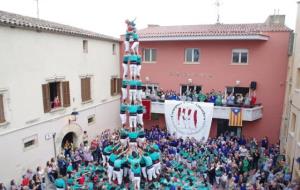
(73, 116)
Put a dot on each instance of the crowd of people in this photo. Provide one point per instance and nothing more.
(225, 162)
(217, 97)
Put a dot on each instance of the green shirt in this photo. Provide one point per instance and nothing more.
(139, 59)
(202, 97)
(132, 83)
(132, 109)
(113, 157)
(108, 149)
(135, 36)
(69, 168)
(136, 170)
(139, 83)
(60, 183)
(125, 59)
(134, 161)
(155, 156)
(118, 163)
(133, 135)
(125, 83)
(133, 58)
(140, 109)
(123, 107)
(218, 100)
(148, 160)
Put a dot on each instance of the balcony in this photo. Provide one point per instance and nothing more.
(220, 112)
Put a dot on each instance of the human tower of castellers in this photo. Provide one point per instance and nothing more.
(133, 156)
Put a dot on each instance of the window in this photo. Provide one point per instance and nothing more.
(237, 90)
(86, 89)
(55, 95)
(293, 122)
(91, 119)
(148, 88)
(30, 142)
(115, 86)
(114, 49)
(192, 55)
(239, 56)
(85, 46)
(189, 88)
(2, 115)
(149, 55)
(298, 79)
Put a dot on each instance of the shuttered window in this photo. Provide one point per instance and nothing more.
(2, 116)
(66, 94)
(55, 95)
(46, 98)
(115, 86)
(86, 89)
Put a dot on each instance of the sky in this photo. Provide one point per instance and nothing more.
(108, 16)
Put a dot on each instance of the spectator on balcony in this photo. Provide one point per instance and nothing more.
(56, 102)
(239, 99)
(195, 96)
(202, 97)
(218, 101)
(253, 99)
(230, 99)
(247, 100)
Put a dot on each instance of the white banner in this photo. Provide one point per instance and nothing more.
(189, 119)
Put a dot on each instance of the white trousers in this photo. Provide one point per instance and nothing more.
(132, 94)
(144, 172)
(133, 146)
(110, 170)
(127, 44)
(118, 175)
(132, 121)
(136, 181)
(123, 118)
(104, 158)
(138, 70)
(125, 70)
(124, 142)
(135, 47)
(157, 168)
(124, 93)
(151, 174)
(132, 68)
(140, 119)
(125, 171)
(139, 95)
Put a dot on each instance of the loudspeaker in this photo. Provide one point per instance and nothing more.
(253, 85)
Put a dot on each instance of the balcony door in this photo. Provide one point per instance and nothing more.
(222, 127)
(184, 88)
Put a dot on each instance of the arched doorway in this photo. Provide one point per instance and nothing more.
(68, 138)
(72, 132)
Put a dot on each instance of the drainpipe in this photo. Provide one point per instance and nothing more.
(54, 145)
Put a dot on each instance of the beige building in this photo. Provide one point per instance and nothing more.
(56, 82)
(290, 131)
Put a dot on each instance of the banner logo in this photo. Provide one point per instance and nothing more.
(188, 118)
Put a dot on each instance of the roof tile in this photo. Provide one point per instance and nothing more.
(16, 20)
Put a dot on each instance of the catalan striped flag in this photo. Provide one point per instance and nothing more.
(235, 117)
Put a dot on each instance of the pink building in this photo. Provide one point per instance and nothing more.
(221, 57)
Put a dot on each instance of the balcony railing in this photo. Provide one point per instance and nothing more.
(220, 112)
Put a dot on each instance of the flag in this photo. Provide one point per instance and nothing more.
(147, 106)
(235, 117)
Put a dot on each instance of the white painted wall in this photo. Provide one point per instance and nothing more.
(27, 60)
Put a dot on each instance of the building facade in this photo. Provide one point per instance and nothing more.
(221, 57)
(290, 130)
(56, 82)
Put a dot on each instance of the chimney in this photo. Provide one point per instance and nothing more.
(275, 19)
(152, 25)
